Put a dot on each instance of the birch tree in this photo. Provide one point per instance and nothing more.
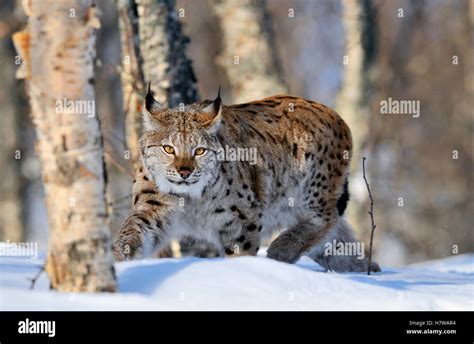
(353, 101)
(163, 48)
(133, 83)
(248, 55)
(58, 54)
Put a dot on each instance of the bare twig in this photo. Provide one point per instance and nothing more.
(34, 279)
(371, 213)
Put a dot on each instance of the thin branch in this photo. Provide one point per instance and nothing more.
(371, 213)
(35, 278)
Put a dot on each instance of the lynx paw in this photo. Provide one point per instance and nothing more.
(285, 248)
(127, 247)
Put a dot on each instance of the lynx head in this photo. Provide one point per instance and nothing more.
(179, 146)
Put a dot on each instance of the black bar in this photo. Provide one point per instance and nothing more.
(319, 327)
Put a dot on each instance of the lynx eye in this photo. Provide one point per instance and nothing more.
(199, 151)
(168, 149)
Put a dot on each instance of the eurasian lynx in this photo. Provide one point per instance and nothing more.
(228, 174)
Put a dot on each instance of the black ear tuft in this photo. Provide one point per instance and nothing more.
(218, 101)
(210, 116)
(151, 103)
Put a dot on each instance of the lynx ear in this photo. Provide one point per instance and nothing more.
(151, 104)
(210, 116)
(151, 111)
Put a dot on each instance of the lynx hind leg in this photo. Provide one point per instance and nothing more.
(290, 244)
(341, 261)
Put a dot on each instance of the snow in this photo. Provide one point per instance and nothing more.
(249, 283)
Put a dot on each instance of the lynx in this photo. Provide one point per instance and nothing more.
(185, 186)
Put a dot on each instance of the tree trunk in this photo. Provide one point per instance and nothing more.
(58, 54)
(133, 83)
(248, 54)
(12, 225)
(163, 47)
(353, 101)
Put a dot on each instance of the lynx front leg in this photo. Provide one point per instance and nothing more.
(139, 229)
(240, 236)
(146, 224)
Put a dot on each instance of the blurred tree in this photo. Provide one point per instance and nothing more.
(354, 99)
(163, 49)
(423, 176)
(200, 25)
(58, 65)
(12, 224)
(248, 56)
(133, 82)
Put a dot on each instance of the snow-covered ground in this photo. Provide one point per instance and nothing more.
(250, 283)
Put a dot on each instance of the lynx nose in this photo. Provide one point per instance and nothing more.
(184, 171)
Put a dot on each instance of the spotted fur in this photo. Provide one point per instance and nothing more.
(298, 183)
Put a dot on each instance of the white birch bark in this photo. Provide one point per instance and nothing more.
(350, 99)
(58, 53)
